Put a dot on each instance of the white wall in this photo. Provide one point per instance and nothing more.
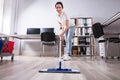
(35, 13)
(41, 13)
(21, 14)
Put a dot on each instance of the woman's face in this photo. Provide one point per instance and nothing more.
(59, 8)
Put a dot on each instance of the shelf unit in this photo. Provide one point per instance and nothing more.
(83, 40)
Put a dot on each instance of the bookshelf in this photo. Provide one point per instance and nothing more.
(83, 40)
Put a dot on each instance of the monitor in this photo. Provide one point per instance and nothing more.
(47, 30)
(33, 30)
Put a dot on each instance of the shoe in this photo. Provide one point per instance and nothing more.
(67, 58)
(63, 56)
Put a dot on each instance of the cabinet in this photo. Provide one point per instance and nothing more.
(83, 40)
(102, 46)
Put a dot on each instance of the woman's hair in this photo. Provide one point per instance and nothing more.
(59, 3)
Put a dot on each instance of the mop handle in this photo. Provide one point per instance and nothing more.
(60, 62)
(60, 45)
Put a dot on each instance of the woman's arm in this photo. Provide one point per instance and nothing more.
(65, 28)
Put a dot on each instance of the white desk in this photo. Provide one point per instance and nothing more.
(25, 37)
(33, 37)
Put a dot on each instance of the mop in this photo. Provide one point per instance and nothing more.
(59, 69)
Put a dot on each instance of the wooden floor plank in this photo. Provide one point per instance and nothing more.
(26, 68)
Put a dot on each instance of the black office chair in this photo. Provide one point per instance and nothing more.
(110, 41)
(97, 29)
(47, 37)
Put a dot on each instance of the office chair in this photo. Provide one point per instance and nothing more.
(97, 29)
(47, 37)
(111, 42)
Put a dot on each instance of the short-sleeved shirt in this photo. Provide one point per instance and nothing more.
(62, 19)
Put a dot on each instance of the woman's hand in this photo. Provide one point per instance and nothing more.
(60, 25)
(61, 36)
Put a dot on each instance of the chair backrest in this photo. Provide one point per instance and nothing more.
(47, 34)
(97, 29)
(33, 30)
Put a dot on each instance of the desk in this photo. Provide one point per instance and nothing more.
(23, 37)
(28, 37)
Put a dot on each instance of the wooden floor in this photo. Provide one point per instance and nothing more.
(26, 68)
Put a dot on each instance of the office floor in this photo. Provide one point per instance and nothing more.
(26, 68)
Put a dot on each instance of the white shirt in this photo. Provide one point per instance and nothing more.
(62, 19)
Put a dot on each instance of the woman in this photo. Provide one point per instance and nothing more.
(67, 29)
